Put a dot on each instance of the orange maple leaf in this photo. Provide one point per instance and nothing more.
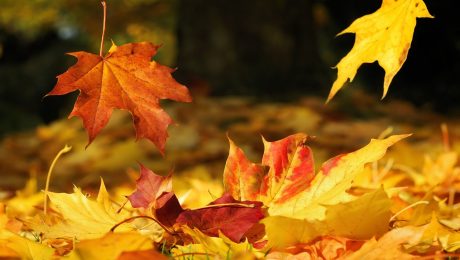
(125, 78)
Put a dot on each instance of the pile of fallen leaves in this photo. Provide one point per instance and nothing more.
(356, 205)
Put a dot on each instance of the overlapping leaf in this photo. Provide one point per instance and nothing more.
(355, 220)
(234, 218)
(290, 187)
(327, 247)
(287, 169)
(82, 217)
(149, 187)
(112, 245)
(388, 246)
(231, 217)
(221, 247)
(13, 246)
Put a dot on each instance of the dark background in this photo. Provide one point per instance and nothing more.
(273, 50)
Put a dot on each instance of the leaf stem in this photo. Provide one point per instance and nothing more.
(192, 254)
(409, 207)
(48, 177)
(236, 205)
(147, 217)
(104, 7)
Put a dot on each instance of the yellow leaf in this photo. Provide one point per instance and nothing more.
(25, 200)
(421, 214)
(23, 247)
(283, 231)
(443, 170)
(362, 218)
(330, 185)
(435, 233)
(83, 218)
(384, 36)
(327, 247)
(112, 245)
(388, 246)
(206, 247)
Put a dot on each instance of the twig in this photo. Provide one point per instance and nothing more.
(48, 177)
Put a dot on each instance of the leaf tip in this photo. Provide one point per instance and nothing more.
(90, 141)
(113, 48)
(336, 86)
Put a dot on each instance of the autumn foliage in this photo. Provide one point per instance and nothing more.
(280, 207)
(124, 79)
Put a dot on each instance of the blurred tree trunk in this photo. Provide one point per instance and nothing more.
(248, 47)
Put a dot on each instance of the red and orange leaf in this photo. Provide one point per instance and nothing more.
(125, 78)
(149, 187)
(290, 170)
(290, 186)
(233, 221)
(242, 178)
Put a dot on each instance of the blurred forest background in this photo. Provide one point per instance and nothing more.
(272, 50)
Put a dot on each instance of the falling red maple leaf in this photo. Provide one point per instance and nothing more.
(125, 78)
(232, 220)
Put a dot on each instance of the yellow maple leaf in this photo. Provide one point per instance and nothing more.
(284, 231)
(83, 218)
(367, 216)
(206, 247)
(389, 245)
(111, 246)
(362, 218)
(384, 36)
(434, 233)
(23, 247)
